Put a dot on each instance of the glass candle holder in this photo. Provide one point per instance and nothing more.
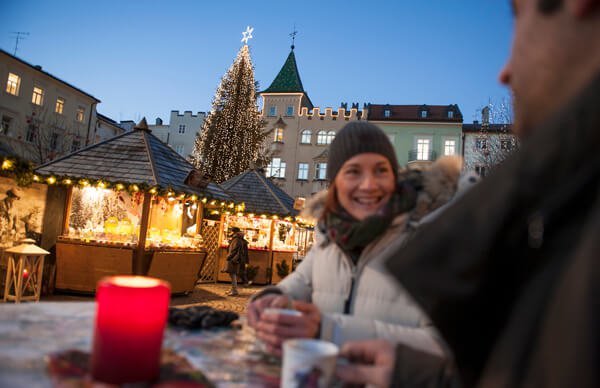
(130, 320)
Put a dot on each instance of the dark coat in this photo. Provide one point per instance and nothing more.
(510, 275)
(237, 254)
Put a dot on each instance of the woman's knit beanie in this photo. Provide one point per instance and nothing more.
(359, 137)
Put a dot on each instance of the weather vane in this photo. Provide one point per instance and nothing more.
(247, 35)
(293, 35)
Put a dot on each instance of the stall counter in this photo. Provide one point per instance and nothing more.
(80, 264)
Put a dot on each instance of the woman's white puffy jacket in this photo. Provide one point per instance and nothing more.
(378, 307)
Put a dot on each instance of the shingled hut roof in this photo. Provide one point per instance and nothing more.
(259, 194)
(136, 157)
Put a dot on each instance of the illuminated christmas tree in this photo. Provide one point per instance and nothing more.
(232, 137)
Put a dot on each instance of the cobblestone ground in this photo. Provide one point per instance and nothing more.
(211, 294)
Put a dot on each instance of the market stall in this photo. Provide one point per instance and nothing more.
(133, 206)
(268, 223)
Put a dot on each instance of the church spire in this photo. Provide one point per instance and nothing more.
(288, 79)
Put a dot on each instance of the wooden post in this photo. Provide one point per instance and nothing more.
(272, 254)
(138, 260)
(67, 211)
(199, 217)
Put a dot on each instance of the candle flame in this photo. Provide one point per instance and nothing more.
(134, 281)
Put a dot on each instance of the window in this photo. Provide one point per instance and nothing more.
(481, 144)
(276, 169)
(181, 128)
(13, 84)
(423, 148)
(423, 114)
(306, 137)
(272, 110)
(303, 171)
(179, 149)
(80, 114)
(75, 145)
(321, 171)
(330, 136)
(505, 144)
(392, 138)
(31, 131)
(60, 105)
(278, 135)
(289, 111)
(480, 170)
(450, 114)
(450, 147)
(37, 97)
(321, 137)
(5, 127)
(387, 113)
(54, 142)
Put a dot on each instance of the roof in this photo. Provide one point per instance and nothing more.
(259, 194)
(39, 69)
(288, 79)
(413, 113)
(136, 157)
(476, 127)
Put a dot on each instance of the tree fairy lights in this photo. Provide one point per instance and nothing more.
(232, 135)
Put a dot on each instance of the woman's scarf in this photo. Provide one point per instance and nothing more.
(352, 235)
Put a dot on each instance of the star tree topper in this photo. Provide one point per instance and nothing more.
(247, 35)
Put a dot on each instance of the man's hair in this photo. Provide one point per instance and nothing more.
(549, 6)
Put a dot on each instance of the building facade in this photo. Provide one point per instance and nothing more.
(301, 133)
(181, 131)
(420, 133)
(42, 117)
(486, 145)
(106, 128)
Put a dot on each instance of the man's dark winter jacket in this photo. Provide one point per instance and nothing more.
(510, 275)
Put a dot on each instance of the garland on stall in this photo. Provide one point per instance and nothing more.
(23, 173)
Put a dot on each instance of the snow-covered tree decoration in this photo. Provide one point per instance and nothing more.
(232, 135)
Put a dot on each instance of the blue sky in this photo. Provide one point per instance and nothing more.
(146, 58)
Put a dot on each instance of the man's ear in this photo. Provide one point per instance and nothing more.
(582, 8)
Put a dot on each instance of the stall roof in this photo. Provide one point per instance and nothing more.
(259, 194)
(136, 157)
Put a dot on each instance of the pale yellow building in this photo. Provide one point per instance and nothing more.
(301, 133)
(42, 116)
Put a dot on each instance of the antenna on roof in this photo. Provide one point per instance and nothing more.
(17, 36)
(293, 35)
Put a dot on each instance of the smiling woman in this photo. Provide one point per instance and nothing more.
(341, 287)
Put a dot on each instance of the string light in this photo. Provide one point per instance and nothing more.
(51, 180)
(7, 164)
(67, 182)
(36, 178)
(119, 186)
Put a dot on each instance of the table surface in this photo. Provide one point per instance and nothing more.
(31, 331)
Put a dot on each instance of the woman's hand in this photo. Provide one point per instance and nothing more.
(273, 328)
(371, 362)
(256, 307)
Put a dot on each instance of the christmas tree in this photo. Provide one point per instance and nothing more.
(232, 137)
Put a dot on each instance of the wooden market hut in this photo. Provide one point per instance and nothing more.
(134, 159)
(266, 206)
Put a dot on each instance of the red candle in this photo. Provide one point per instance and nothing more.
(130, 320)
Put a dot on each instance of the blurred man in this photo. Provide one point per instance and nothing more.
(510, 275)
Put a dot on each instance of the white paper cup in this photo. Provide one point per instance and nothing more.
(308, 363)
(291, 312)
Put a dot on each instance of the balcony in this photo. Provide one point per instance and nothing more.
(416, 156)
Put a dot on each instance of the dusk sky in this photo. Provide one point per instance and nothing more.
(146, 58)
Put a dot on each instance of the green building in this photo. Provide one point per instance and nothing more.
(420, 133)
